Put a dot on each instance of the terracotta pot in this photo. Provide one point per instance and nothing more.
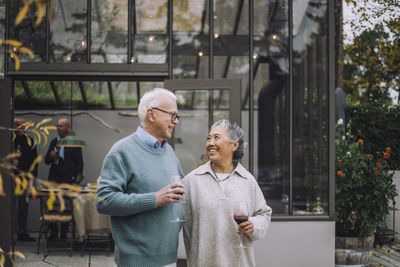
(354, 251)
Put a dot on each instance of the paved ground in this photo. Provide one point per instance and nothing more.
(387, 255)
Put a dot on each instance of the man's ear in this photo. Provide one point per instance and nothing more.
(150, 115)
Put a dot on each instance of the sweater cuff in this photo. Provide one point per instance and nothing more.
(148, 201)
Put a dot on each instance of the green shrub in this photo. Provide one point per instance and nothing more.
(364, 185)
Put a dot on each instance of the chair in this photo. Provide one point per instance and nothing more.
(47, 217)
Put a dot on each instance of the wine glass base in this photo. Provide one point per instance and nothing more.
(241, 246)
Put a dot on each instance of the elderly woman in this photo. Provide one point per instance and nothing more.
(210, 232)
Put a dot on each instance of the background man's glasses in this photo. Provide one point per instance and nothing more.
(174, 115)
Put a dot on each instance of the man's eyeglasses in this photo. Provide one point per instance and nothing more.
(174, 115)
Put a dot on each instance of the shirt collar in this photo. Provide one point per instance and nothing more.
(148, 139)
(206, 168)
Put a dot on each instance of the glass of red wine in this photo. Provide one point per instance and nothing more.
(240, 215)
(176, 179)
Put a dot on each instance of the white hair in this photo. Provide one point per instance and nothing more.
(150, 99)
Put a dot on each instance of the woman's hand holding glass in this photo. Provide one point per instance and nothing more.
(241, 216)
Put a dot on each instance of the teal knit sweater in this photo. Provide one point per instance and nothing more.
(132, 172)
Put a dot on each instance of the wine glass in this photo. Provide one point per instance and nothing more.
(240, 215)
(176, 179)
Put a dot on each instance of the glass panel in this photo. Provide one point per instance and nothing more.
(150, 28)
(32, 36)
(190, 141)
(21, 100)
(68, 31)
(271, 82)
(190, 59)
(109, 31)
(310, 108)
(125, 94)
(97, 94)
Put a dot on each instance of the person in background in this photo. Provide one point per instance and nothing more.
(66, 166)
(136, 187)
(28, 153)
(210, 232)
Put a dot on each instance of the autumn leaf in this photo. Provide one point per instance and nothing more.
(22, 13)
(16, 59)
(40, 12)
(51, 199)
(43, 122)
(17, 254)
(38, 136)
(26, 50)
(1, 186)
(35, 162)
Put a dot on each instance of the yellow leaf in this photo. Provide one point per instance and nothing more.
(13, 155)
(13, 136)
(26, 50)
(29, 124)
(39, 138)
(41, 12)
(45, 139)
(51, 127)
(61, 200)
(45, 130)
(50, 200)
(22, 13)
(12, 43)
(36, 161)
(16, 59)
(2, 260)
(1, 186)
(17, 254)
(28, 140)
(24, 184)
(18, 188)
(43, 122)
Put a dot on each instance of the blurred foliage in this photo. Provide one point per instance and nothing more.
(372, 64)
(379, 123)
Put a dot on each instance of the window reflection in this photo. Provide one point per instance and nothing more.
(271, 89)
(109, 31)
(68, 31)
(310, 105)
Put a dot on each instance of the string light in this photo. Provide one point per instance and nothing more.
(200, 54)
(216, 35)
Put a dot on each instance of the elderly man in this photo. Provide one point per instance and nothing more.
(66, 167)
(136, 187)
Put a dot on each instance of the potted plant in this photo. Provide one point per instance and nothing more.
(364, 189)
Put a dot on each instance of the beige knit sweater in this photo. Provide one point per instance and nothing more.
(210, 232)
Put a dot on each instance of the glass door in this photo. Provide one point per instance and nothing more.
(200, 104)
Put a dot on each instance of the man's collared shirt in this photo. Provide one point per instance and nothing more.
(148, 139)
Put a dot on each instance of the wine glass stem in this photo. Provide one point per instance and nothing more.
(241, 238)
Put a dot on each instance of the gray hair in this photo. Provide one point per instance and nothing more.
(153, 98)
(236, 134)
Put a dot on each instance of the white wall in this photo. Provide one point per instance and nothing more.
(389, 218)
(293, 244)
(297, 244)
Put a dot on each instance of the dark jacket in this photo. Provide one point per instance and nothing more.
(64, 170)
(28, 153)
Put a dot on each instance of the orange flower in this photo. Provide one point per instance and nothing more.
(340, 173)
(379, 164)
(340, 161)
(369, 156)
(388, 150)
(360, 142)
(377, 172)
(386, 155)
(359, 132)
